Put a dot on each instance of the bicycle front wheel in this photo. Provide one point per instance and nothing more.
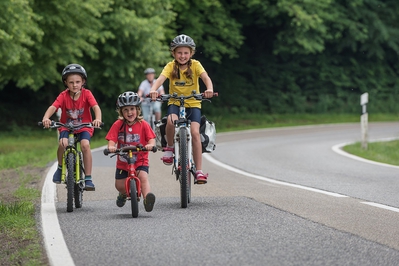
(70, 181)
(133, 199)
(183, 168)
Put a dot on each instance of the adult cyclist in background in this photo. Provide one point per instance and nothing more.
(146, 103)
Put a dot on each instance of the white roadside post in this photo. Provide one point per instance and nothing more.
(364, 99)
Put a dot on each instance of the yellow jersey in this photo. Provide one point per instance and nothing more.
(184, 85)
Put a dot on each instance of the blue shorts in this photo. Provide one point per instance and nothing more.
(122, 174)
(193, 114)
(81, 135)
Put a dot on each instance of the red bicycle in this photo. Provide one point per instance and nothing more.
(132, 183)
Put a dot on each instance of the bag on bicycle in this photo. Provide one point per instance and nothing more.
(160, 132)
(208, 135)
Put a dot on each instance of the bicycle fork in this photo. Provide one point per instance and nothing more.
(190, 163)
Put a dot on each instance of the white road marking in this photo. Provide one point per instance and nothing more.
(54, 242)
(238, 171)
(381, 206)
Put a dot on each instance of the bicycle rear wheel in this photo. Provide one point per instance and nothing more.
(78, 189)
(70, 181)
(184, 168)
(133, 199)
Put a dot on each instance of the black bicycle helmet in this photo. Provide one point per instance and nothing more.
(182, 41)
(149, 71)
(128, 98)
(73, 69)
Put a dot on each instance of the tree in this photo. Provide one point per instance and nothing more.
(19, 32)
(134, 40)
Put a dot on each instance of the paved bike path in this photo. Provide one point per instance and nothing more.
(233, 220)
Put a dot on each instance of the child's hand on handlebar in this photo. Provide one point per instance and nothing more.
(153, 95)
(46, 122)
(149, 147)
(96, 123)
(208, 93)
(112, 149)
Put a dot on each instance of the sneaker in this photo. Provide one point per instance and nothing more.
(89, 186)
(57, 176)
(167, 156)
(121, 200)
(167, 160)
(149, 202)
(200, 178)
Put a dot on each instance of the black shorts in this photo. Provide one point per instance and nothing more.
(122, 174)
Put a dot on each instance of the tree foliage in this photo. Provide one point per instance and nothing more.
(278, 56)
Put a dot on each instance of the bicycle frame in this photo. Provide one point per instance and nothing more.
(132, 175)
(132, 182)
(182, 122)
(72, 173)
(183, 163)
(72, 148)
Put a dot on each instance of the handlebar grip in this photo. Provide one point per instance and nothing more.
(154, 149)
(40, 123)
(106, 152)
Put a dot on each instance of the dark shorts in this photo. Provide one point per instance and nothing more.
(122, 174)
(81, 135)
(193, 114)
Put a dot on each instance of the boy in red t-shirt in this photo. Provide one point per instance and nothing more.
(75, 103)
(131, 130)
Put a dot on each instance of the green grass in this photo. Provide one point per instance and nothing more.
(37, 149)
(383, 152)
(17, 218)
(18, 226)
(255, 121)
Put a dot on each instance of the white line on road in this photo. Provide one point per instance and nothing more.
(54, 242)
(57, 250)
(230, 168)
(381, 206)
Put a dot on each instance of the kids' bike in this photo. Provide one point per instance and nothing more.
(72, 173)
(132, 183)
(183, 163)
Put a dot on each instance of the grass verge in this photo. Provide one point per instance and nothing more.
(383, 152)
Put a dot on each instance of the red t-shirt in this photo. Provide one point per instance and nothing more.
(76, 111)
(125, 135)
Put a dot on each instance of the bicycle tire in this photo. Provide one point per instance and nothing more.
(78, 196)
(184, 167)
(70, 181)
(133, 199)
(78, 189)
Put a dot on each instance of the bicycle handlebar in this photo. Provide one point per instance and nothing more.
(126, 149)
(197, 96)
(69, 126)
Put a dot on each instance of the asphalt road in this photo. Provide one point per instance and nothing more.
(250, 217)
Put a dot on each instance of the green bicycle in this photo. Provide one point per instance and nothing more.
(72, 173)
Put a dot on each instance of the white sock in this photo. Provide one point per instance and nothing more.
(168, 153)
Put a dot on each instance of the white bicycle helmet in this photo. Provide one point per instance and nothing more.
(149, 71)
(128, 98)
(182, 41)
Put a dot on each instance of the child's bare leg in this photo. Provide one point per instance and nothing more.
(145, 184)
(149, 198)
(120, 185)
(87, 157)
(196, 142)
